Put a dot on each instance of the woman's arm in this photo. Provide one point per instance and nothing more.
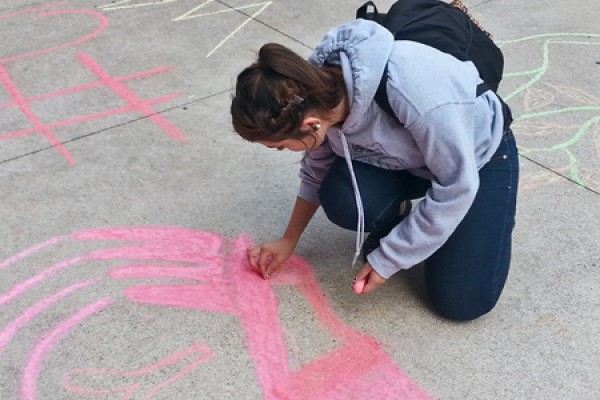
(267, 257)
(301, 215)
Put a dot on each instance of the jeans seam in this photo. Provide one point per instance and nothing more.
(506, 224)
(378, 217)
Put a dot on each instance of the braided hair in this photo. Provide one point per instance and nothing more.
(274, 94)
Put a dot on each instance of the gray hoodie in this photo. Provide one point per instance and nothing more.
(448, 135)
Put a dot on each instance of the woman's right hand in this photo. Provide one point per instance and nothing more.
(268, 257)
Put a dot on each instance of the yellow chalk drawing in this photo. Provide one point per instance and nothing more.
(193, 14)
(126, 4)
(196, 12)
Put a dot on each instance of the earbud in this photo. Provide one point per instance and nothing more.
(316, 127)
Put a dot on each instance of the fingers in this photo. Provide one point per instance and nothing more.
(272, 269)
(256, 256)
(358, 286)
(373, 282)
(367, 280)
(359, 282)
(253, 253)
(264, 260)
(364, 272)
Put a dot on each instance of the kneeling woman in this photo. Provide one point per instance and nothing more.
(444, 144)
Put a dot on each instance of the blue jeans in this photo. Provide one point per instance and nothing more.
(465, 277)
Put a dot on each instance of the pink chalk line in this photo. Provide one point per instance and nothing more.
(165, 244)
(202, 245)
(11, 330)
(23, 287)
(91, 85)
(31, 10)
(130, 97)
(34, 362)
(39, 126)
(159, 234)
(30, 251)
(71, 121)
(199, 351)
(102, 26)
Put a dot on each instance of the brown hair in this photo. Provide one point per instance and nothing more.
(273, 95)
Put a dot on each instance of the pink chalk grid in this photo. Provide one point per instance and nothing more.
(116, 84)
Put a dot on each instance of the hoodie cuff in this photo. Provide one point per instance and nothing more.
(383, 266)
(309, 193)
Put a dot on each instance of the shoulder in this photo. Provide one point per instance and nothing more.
(428, 78)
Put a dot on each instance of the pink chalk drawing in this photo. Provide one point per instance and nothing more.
(200, 350)
(41, 13)
(213, 276)
(33, 366)
(115, 83)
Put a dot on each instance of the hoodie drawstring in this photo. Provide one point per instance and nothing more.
(360, 224)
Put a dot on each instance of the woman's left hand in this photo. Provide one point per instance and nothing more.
(367, 280)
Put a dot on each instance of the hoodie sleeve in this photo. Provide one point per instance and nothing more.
(313, 168)
(444, 136)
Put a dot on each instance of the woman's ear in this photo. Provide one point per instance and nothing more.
(311, 124)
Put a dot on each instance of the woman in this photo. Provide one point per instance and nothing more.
(363, 166)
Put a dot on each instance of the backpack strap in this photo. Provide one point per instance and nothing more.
(383, 101)
(363, 12)
(381, 95)
(482, 88)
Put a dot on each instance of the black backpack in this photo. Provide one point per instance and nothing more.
(447, 27)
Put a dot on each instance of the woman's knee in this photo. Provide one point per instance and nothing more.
(381, 191)
(465, 283)
(464, 296)
(465, 310)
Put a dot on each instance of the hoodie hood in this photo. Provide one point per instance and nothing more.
(346, 46)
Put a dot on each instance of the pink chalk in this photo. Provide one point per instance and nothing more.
(220, 275)
(359, 286)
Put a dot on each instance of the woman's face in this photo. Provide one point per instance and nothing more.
(309, 142)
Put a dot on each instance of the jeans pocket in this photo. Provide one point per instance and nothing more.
(499, 157)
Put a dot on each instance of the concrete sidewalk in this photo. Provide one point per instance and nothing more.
(127, 202)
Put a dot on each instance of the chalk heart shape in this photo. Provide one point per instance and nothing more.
(45, 18)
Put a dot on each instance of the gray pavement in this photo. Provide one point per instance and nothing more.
(126, 202)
